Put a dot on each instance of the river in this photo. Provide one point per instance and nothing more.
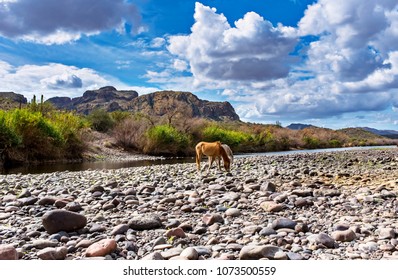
(54, 167)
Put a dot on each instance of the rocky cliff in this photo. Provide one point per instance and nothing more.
(107, 98)
(10, 100)
(159, 103)
(185, 103)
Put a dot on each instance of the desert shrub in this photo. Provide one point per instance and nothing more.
(101, 120)
(230, 137)
(311, 142)
(31, 136)
(119, 116)
(8, 136)
(165, 139)
(129, 133)
(70, 127)
(40, 139)
(334, 143)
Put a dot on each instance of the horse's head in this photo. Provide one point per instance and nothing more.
(227, 165)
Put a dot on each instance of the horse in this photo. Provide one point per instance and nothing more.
(212, 150)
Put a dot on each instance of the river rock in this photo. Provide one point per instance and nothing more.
(8, 252)
(252, 252)
(120, 229)
(210, 219)
(190, 253)
(145, 222)
(271, 206)
(386, 233)
(233, 212)
(175, 233)
(101, 248)
(283, 223)
(63, 220)
(53, 253)
(344, 235)
(325, 239)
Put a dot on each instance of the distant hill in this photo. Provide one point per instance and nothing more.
(154, 104)
(10, 100)
(107, 98)
(189, 105)
(298, 126)
(386, 133)
(360, 133)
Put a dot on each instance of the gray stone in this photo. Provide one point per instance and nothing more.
(63, 220)
(190, 253)
(386, 233)
(120, 229)
(344, 235)
(283, 223)
(145, 222)
(267, 231)
(252, 252)
(233, 212)
(268, 187)
(326, 240)
(53, 253)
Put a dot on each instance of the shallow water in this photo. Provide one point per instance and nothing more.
(49, 168)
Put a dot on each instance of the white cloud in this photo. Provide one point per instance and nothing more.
(350, 66)
(57, 22)
(252, 50)
(180, 65)
(57, 80)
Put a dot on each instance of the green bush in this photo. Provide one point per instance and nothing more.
(101, 120)
(230, 137)
(8, 136)
(165, 139)
(334, 143)
(311, 142)
(25, 122)
(30, 136)
(70, 127)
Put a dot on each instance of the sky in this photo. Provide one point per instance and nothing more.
(329, 63)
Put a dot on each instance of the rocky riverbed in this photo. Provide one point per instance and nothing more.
(340, 205)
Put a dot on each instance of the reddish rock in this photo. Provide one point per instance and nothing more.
(271, 206)
(210, 219)
(101, 248)
(8, 252)
(176, 232)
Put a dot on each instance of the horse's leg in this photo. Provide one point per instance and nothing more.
(219, 163)
(211, 159)
(198, 159)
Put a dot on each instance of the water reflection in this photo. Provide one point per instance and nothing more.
(49, 168)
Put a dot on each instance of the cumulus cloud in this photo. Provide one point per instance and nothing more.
(57, 22)
(251, 50)
(50, 79)
(353, 44)
(341, 58)
(62, 81)
(56, 79)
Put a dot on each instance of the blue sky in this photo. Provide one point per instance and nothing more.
(330, 63)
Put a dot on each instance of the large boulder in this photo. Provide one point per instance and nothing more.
(63, 220)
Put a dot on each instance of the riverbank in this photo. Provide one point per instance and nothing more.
(336, 205)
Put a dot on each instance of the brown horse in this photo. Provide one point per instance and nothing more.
(212, 150)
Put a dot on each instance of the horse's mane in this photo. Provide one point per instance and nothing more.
(224, 155)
